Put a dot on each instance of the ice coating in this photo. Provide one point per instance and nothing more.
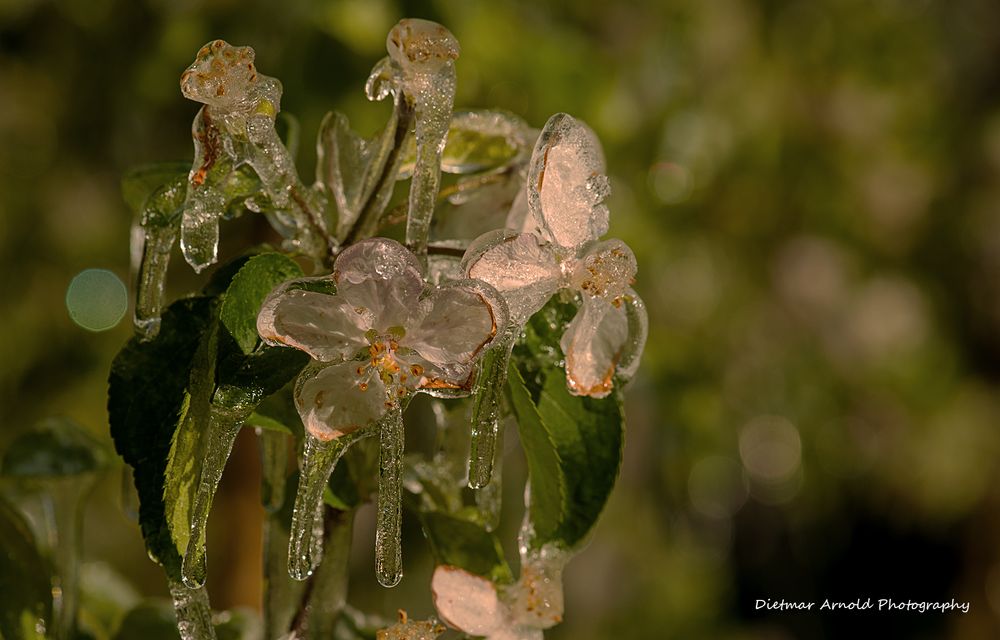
(566, 183)
(423, 53)
(194, 615)
(227, 413)
(153, 240)
(236, 128)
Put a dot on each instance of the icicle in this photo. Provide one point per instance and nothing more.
(388, 526)
(194, 615)
(488, 497)
(229, 410)
(305, 544)
(152, 277)
(273, 463)
(424, 53)
(486, 412)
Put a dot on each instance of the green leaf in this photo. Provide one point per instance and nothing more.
(574, 447)
(462, 543)
(147, 399)
(56, 447)
(277, 412)
(246, 293)
(141, 182)
(24, 580)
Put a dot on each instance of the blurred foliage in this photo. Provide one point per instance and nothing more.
(811, 189)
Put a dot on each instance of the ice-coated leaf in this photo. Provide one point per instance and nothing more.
(481, 140)
(55, 447)
(573, 445)
(359, 172)
(147, 397)
(462, 543)
(247, 291)
(26, 604)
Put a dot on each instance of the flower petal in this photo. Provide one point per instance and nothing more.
(520, 266)
(382, 276)
(458, 321)
(466, 601)
(323, 325)
(566, 185)
(593, 343)
(333, 400)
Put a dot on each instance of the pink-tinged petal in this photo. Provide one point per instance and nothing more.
(566, 185)
(606, 270)
(519, 265)
(335, 400)
(466, 601)
(382, 276)
(593, 343)
(325, 326)
(457, 322)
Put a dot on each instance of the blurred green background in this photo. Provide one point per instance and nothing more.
(812, 190)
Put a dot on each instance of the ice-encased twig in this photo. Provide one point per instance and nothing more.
(329, 594)
(273, 463)
(227, 413)
(194, 614)
(389, 514)
(486, 406)
(153, 238)
(151, 280)
(305, 543)
(423, 53)
(489, 497)
(236, 128)
(282, 595)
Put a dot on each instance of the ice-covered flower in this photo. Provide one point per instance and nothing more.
(375, 337)
(473, 604)
(554, 243)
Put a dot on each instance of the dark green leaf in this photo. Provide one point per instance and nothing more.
(56, 447)
(574, 446)
(150, 620)
(246, 293)
(462, 543)
(147, 398)
(24, 580)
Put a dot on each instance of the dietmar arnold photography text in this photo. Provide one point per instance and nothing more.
(862, 604)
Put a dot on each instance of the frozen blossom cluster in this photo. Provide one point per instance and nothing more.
(437, 311)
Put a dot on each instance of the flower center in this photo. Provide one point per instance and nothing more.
(383, 361)
(606, 274)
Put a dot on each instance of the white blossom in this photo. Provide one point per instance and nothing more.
(375, 338)
(553, 242)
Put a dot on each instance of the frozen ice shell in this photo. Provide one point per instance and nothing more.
(566, 185)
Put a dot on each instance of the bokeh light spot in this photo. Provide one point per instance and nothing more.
(670, 182)
(96, 299)
(770, 448)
